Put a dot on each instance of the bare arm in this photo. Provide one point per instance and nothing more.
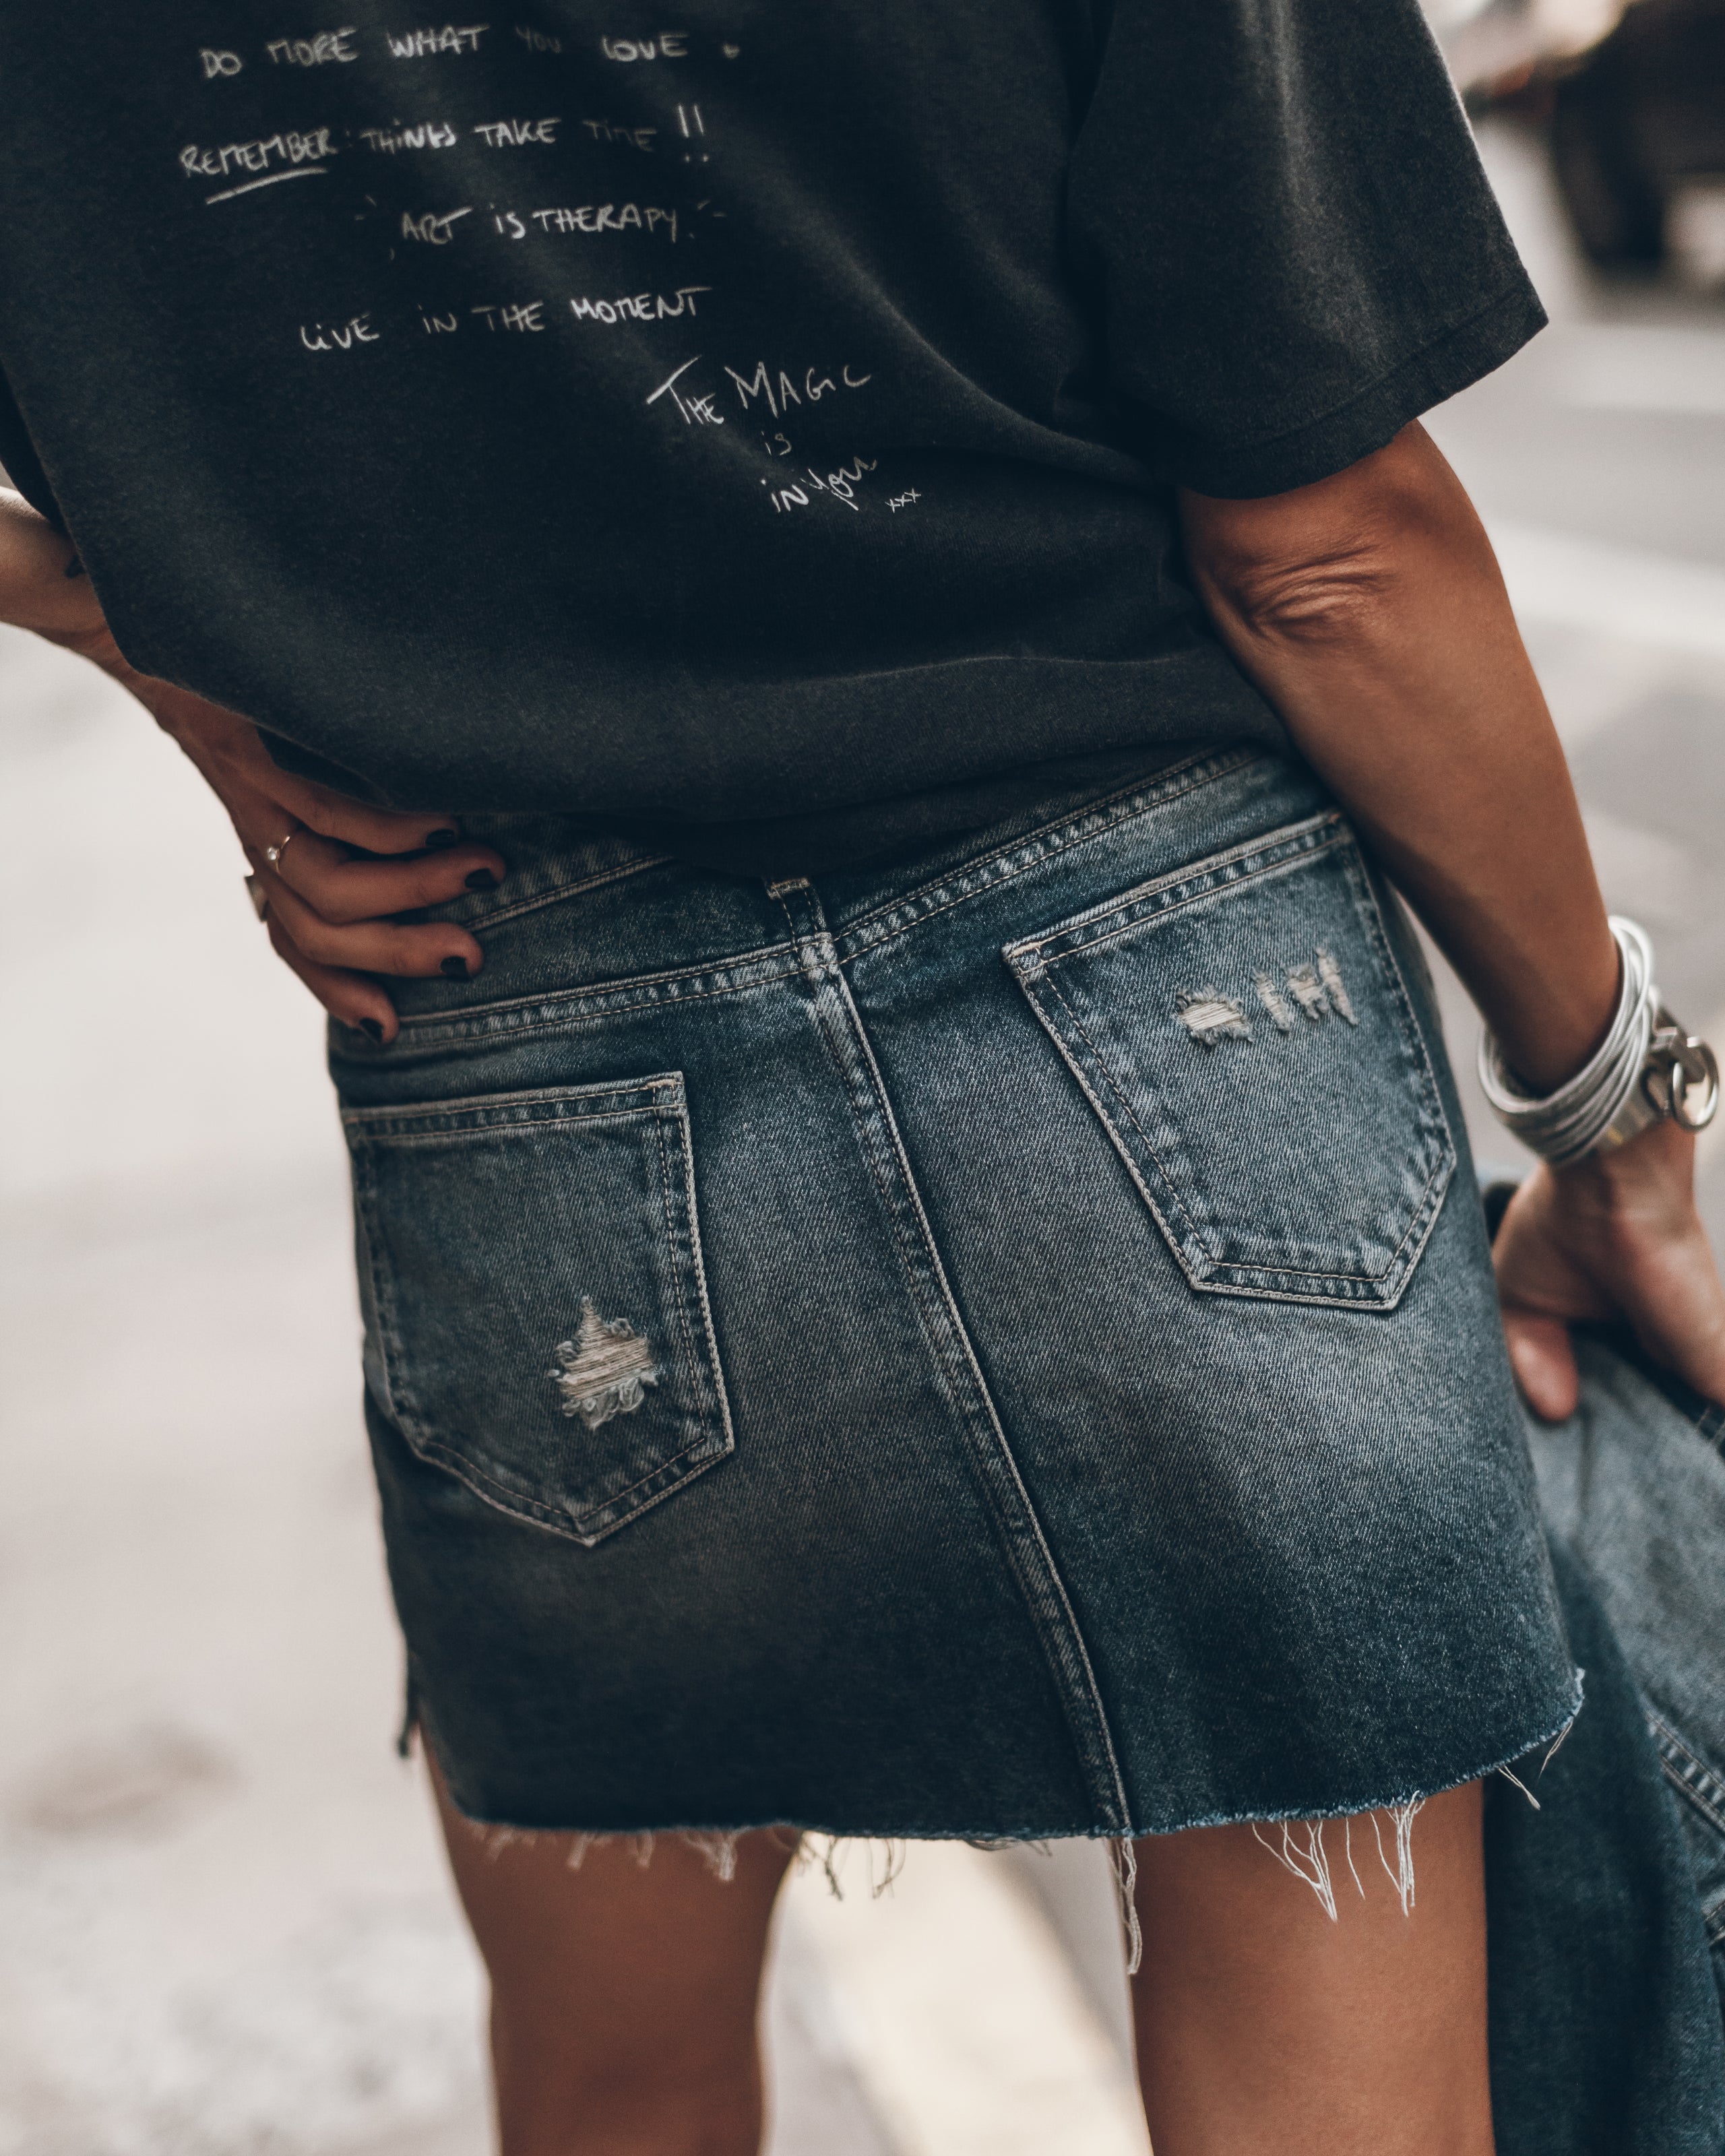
(1369, 610)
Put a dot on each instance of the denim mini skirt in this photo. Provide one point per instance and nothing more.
(1000, 1344)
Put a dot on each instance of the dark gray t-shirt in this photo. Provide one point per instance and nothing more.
(753, 424)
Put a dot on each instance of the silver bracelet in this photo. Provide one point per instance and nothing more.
(1647, 1068)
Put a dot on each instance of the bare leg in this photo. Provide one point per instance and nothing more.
(1264, 2027)
(623, 1997)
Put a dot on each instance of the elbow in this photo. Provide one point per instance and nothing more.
(1342, 561)
(1344, 594)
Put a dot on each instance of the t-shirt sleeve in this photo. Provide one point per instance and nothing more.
(1278, 207)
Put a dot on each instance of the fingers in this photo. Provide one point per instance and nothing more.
(265, 801)
(377, 830)
(372, 945)
(341, 889)
(1543, 1360)
(348, 997)
(326, 910)
(1615, 1239)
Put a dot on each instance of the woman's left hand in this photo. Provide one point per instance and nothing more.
(1615, 1238)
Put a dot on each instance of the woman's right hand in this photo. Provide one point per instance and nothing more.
(1615, 1238)
(332, 894)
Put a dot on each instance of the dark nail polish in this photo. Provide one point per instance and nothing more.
(437, 840)
(482, 880)
(455, 968)
(374, 1027)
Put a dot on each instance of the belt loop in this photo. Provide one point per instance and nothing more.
(807, 923)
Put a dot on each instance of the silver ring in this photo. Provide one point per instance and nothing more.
(259, 898)
(273, 854)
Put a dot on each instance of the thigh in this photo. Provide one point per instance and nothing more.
(1266, 2024)
(625, 1993)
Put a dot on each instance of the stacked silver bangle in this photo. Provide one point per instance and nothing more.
(1647, 1068)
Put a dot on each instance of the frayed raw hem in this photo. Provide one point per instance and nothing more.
(1309, 1862)
(717, 1848)
(1553, 1748)
(1547, 1740)
(505, 1831)
(1306, 1856)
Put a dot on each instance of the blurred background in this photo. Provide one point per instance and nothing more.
(225, 1929)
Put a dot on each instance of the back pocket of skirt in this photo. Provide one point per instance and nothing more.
(535, 1307)
(1244, 1031)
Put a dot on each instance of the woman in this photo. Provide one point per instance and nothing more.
(920, 1268)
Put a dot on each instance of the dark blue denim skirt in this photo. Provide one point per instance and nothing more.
(1000, 1344)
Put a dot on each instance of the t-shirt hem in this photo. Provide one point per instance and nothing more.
(1450, 363)
(876, 831)
(19, 465)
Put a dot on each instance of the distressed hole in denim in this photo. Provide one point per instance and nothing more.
(1280, 1010)
(601, 1372)
(1209, 1016)
(1330, 975)
(1307, 990)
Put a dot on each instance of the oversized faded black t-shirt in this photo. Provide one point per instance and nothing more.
(752, 424)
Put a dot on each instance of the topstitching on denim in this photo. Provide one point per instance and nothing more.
(1689, 1775)
(1701, 1788)
(972, 878)
(557, 1008)
(554, 1009)
(1003, 1487)
(1267, 854)
(538, 1104)
(531, 890)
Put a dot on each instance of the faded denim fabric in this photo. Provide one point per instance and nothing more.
(1607, 1906)
(999, 1343)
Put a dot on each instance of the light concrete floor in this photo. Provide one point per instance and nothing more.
(225, 1925)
